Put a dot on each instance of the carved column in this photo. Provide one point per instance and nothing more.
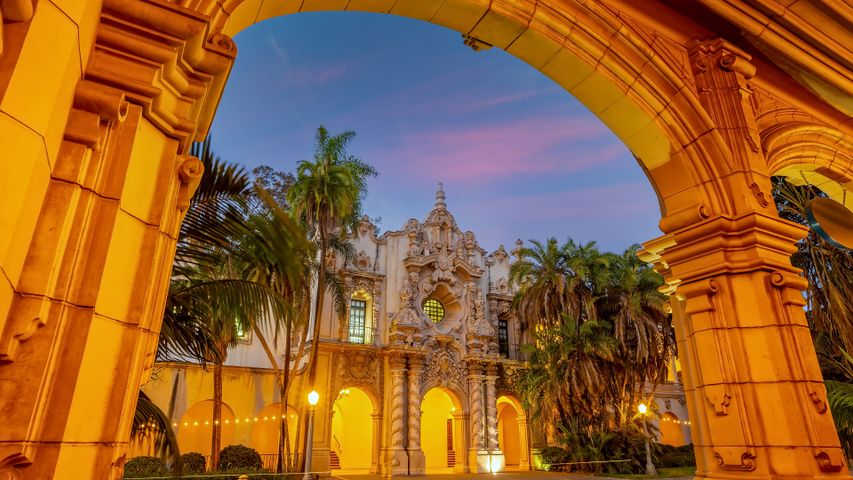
(491, 408)
(477, 447)
(417, 461)
(396, 458)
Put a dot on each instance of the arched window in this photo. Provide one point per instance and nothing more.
(434, 310)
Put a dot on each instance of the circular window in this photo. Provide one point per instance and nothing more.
(434, 310)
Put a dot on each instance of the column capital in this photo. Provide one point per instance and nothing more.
(724, 244)
(397, 360)
(718, 53)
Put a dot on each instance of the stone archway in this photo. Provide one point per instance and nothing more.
(194, 429)
(440, 431)
(353, 431)
(100, 101)
(513, 433)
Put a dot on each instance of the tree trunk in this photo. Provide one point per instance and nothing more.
(315, 337)
(216, 437)
(318, 312)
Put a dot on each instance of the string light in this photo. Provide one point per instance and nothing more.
(196, 423)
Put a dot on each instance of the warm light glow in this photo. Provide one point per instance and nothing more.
(313, 398)
(642, 408)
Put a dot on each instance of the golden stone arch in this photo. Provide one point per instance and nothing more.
(100, 100)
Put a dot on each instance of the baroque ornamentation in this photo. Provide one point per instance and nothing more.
(443, 367)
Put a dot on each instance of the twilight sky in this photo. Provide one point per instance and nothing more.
(519, 157)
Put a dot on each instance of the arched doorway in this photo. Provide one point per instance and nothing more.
(265, 432)
(512, 433)
(671, 432)
(352, 431)
(440, 433)
(196, 426)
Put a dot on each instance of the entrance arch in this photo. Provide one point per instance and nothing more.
(195, 428)
(81, 97)
(671, 432)
(265, 432)
(513, 438)
(353, 442)
(440, 432)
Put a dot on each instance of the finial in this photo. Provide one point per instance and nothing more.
(439, 196)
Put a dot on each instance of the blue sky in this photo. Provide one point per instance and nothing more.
(519, 157)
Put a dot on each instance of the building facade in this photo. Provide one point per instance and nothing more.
(417, 376)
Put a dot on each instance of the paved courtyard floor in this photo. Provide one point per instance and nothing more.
(495, 476)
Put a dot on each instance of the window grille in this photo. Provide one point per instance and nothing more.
(357, 317)
(503, 337)
(434, 310)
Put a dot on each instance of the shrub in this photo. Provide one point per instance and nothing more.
(554, 455)
(192, 462)
(140, 467)
(682, 456)
(239, 457)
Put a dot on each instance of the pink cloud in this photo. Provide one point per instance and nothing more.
(498, 150)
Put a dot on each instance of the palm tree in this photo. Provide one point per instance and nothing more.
(544, 294)
(641, 326)
(327, 195)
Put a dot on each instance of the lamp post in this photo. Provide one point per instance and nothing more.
(650, 466)
(313, 398)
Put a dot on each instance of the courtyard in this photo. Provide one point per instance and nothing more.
(443, 238)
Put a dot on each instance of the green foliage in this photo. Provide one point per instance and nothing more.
(239, 458)
(681, 456)
(579, 452)
(192, 462)
(142, 467)
(829, 296)
(598, 333)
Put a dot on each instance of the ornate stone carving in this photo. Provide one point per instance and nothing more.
(475, 388)
(362, 261)
(491, 407)
(397, 362)
(190, 170)
(414, 404)
(360, 368)
(735, 458)
(444, 367)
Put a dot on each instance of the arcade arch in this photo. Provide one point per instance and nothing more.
(671, 431)
(513, 438)
(265, 432)
(194, 430)
(99, 117)
(442, 431)
(353, 435)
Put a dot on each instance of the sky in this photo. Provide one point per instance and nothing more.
(519, 157)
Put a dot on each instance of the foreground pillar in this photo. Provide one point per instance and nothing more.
(80, 320)
(755, 395)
